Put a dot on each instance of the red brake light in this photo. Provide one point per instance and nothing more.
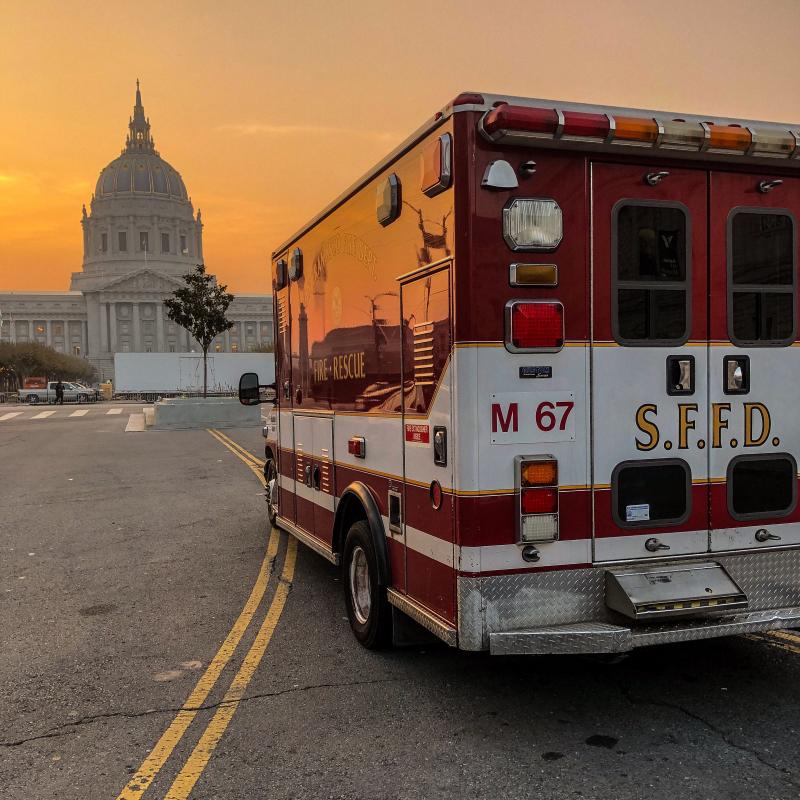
(519, 118)
(534, 326)
(539, 501)
(579, 123)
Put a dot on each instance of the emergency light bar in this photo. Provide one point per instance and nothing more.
(516, 124)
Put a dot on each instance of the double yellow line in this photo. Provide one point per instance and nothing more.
(783, 640)
(193, 768)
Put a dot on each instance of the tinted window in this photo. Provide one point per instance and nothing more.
(651, 492)
(651, 273)
(762, 270)
(762, 486)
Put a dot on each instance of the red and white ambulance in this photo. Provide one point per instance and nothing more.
(536, 378)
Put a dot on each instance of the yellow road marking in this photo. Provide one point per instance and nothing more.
(158, 756)
(246, 453)
(771, 638)
(193, 768)
(251, 462)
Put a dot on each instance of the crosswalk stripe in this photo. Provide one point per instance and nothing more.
(114, 411)
(81, 413)
(43, 415)
(10, 415)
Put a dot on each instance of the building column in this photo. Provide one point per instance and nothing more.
(85, 339)
(103, 327)
(48, 336)
(161, 346)
(112, 322)
(137, 339)
(227, 341)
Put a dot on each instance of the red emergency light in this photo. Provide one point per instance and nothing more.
(506, 117)
(539, 501)
(534, 326)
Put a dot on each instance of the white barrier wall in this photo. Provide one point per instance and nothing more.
(183, 372)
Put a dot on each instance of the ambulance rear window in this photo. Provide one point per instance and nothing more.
(762, 486)
(653, 492)
(761, 281)
(650, 295)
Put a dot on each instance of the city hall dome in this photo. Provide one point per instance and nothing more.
(140, 169)
(140, 216)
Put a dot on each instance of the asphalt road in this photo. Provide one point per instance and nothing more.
(128, 558)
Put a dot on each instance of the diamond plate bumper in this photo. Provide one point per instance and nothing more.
(530, 602)
(593, 637)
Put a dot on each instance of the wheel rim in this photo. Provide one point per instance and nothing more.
(272, 476)
(360, 592)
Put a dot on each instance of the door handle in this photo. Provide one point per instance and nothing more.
(763, 535)
(653, 545)
(307, 473)
(736, 374)
(680, 375)
(317, 476)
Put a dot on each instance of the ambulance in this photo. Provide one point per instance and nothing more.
(537, 380)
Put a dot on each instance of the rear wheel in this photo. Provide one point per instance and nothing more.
(367, 607)
(33, 399)
(271, 479)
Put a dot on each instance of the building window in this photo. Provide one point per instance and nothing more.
(184, 249)
(103, 242)
(76, 350)
(144, 241)
(148, 348)
(40, 329)
(165, 243)
(234, 347)
(172, 347)
(217, 348)
(123, 241)
(126, 348)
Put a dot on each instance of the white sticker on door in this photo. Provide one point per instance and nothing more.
(637, 513)
(532, 417)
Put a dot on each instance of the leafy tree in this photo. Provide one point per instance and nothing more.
(200, 308)
(23, 360)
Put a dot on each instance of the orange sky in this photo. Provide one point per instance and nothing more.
(269, 109)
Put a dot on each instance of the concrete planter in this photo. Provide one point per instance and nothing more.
(176, 413)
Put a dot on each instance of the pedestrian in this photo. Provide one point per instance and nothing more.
(60, 393)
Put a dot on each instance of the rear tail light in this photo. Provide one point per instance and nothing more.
(532, 224)
(537, 499)
(534, 326)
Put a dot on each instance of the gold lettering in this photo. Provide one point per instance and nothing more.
(647, 426)
(718, 424)
(361, 362)
(336, 368)
(685, 424)
(749, 408)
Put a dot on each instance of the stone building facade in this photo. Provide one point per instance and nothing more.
(140, 236)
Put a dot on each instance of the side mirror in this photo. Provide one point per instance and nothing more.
(253, 394)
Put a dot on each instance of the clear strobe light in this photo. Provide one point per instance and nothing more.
(532, 224)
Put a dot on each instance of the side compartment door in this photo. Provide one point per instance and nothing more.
(649, 344)
(283, 380)
(754, 361)
(322, 479)
(427, 527)
(304, 471)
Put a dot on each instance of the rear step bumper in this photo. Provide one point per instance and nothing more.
(601, 637)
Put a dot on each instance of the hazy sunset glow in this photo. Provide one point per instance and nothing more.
(270, 109)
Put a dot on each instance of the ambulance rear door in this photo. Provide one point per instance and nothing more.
(754, 361)
(649, 361)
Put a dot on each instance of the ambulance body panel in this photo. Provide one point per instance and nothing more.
(584, 441)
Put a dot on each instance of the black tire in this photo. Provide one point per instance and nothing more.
(33, 399)
(270, 474)
(82, 398)
(371, 616)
